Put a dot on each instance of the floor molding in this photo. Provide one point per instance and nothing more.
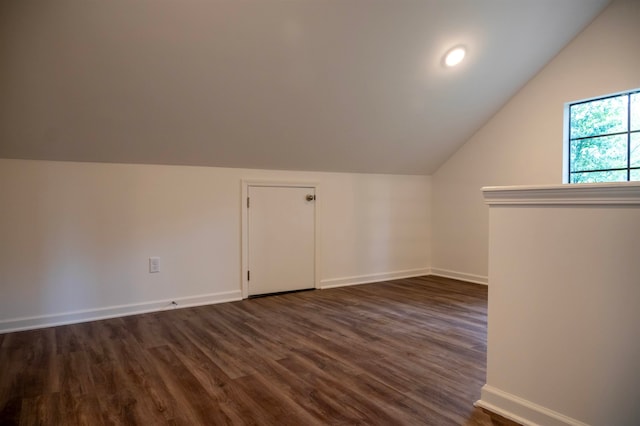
(43, 321)
(520, 410)
(463, 276)
(372, 278)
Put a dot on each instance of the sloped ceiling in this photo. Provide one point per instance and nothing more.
(330, 85)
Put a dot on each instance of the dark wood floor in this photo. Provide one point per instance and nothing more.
(409, 351)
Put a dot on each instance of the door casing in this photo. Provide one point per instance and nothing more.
(246, 183)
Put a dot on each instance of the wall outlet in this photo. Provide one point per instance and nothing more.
(154, 264)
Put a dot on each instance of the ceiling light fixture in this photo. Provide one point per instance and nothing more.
(454, 56)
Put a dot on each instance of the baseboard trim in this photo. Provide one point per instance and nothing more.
(477, 279)
(43, 321)
(372, 278)
(521, 410)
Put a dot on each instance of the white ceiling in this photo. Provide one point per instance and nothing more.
(331, 85)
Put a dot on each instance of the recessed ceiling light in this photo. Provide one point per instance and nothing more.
(454, 56)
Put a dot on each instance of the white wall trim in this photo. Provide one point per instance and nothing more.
(244, 240)
(43, 321)
(74, 317)
(521, 410)
(619, 193)
(372, 278)
(472, 278)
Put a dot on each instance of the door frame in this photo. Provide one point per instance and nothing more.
(246, 183)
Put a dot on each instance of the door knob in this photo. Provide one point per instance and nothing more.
(311, 197)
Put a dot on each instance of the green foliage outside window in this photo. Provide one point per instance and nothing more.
(604, 139)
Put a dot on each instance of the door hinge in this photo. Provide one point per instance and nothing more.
(248, 275)
(247, 202)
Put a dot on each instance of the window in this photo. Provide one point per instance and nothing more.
(604, 139)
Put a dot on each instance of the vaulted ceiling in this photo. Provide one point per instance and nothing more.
(330, 85)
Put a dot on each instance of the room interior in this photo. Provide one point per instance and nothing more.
(128, 128)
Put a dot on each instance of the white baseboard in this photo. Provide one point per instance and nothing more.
(42, 321)
(372, 278)
(30, 323)
(521, 410)
(477, 279)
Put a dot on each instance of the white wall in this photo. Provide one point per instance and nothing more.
(563, 336)
(75, 238)
(523, 142)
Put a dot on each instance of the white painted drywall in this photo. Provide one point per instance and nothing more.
(523, 143)
(347, 85)
(75, 238)
(563, 336)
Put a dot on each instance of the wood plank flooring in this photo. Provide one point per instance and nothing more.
(404, 352)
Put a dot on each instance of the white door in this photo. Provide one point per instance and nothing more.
(281, 239)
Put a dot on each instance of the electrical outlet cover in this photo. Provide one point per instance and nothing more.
(154, 264)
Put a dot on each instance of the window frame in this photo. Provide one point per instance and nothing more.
(566, 169)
